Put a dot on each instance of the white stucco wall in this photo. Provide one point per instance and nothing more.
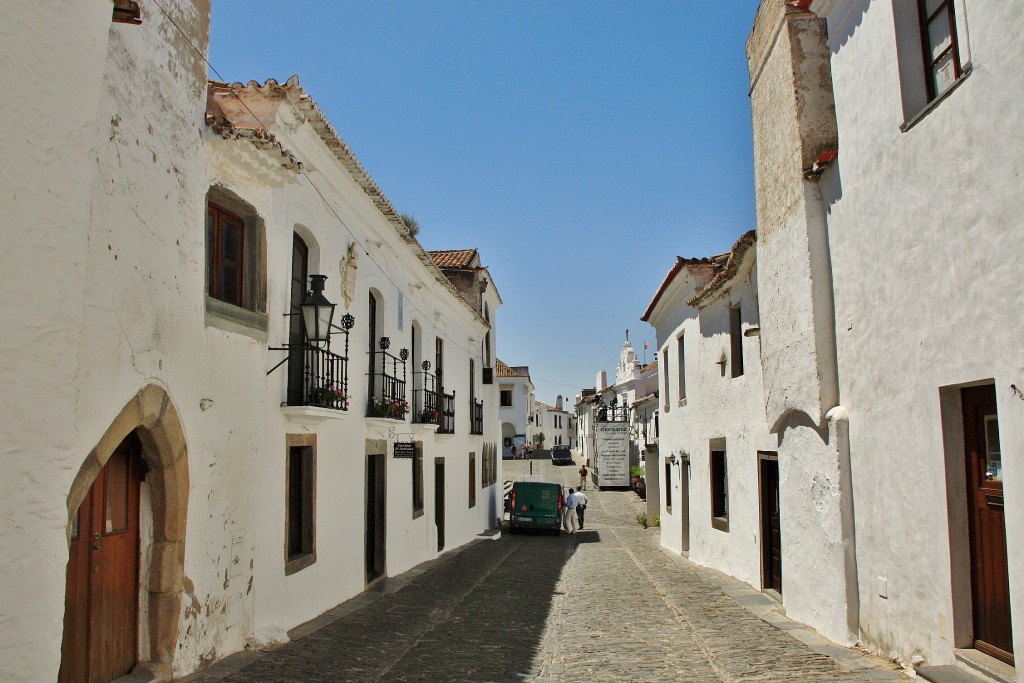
(927, 290)
(100, 180)
(108, 162)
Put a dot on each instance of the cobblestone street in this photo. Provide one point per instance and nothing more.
(605, 605)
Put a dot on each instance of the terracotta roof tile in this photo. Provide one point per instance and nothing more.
(503, 370)
(237, 110)
(454, 258)
(676, 268)
(726, 267)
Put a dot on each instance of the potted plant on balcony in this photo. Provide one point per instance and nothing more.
(390, 407)
(328, 395)
(430, 415)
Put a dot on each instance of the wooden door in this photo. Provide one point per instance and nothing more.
(439, 502)
(297, 394)
(990, 583)
(771, 528)
(376, 519)
(102, 589)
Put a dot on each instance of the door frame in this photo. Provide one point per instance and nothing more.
(155, 420)
(439, 502)
(768, 459)
(376, 521)
(975, 400)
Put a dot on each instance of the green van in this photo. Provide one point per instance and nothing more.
(536, 505)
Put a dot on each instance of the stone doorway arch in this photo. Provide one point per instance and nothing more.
(153, 417)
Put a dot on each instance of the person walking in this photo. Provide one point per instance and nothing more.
(583, 477)
(581, 506)
(569, 518)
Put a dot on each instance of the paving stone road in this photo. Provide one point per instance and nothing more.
(605, 605)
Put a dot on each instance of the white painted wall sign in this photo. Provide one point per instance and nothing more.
(612, 453)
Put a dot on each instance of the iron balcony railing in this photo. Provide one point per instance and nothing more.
(614, 412)
(477, 415)
(426, 408)
(316, 376)
(387, 396)
(324, 379)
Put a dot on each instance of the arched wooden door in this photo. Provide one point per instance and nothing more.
(101, 598)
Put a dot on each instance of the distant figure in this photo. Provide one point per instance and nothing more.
(570, 513)
(513, 451)
(583, 477)
(581, 506)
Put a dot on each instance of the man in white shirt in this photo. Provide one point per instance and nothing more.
(581, 506)
(569, 517)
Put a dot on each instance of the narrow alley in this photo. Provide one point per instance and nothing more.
(607, 605)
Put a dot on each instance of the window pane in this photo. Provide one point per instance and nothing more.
(939, 36)
(229, 284)
(116, 494)
(943, 74)
(993, 455)
(232, 241)
(931, 5)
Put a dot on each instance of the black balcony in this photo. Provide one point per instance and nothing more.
(321, 380)
(613, 412)
(477, 415)
(426, 408)
(387, 397)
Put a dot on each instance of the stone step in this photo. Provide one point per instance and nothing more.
(972, 667)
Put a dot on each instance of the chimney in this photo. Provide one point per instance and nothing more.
(602, 380)
(558, 402)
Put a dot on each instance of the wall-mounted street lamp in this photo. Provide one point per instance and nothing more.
(317, 314)
(317, 311)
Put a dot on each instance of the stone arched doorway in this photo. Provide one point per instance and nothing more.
(152, 417)
(508, 433)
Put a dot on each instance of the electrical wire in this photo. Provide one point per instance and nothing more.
(327, 203)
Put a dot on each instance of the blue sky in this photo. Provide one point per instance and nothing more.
(580, 146)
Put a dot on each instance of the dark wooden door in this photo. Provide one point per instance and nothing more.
(439, 502)
(771, 534)
(376, 519)
(371, 319)
(990, 583)
(296, 331)
(102, 589)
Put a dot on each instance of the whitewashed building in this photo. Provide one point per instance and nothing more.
(515, 410)
(556, 424)
(717, 477)
(214, 475)
(887, 139)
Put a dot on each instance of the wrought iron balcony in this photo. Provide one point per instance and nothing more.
(426, 408)
(387, 397)
(477, 415)
(613, 412)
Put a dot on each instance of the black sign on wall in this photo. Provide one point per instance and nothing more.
(405, 449)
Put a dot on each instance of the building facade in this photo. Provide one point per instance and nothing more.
(515, 411)
(181, 446)
(925, 294)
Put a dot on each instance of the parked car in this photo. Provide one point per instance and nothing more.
(535, 505)
(561, 454)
